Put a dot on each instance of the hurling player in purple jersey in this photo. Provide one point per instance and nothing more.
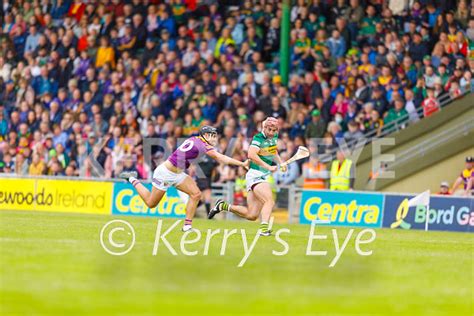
(171, 172)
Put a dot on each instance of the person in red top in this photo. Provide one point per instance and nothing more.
(461, 43)
(444, 188)
(76, 10)
(430, 104)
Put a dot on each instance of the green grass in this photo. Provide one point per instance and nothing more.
(54, 264)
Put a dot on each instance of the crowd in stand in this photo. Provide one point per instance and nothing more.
(83, 84)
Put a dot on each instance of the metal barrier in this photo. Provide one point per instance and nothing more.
(294, 200)
(224, 191)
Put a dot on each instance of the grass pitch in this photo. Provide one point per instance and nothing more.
(54, 264)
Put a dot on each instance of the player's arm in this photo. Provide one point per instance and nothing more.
(226, 159)
(278, 158)
(470, 184)
(456, 184)
(253, 155)
(279, 161)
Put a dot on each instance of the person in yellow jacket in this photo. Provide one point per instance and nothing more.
(240, 191)
(37, 167)
(223, 42)
(105, 54)
(342, 173)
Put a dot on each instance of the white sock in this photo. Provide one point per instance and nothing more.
(187, 227)
(134, 181)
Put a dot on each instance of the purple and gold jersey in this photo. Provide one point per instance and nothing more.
(190, 150)
(467, 174)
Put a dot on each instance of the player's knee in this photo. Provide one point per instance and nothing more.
(196, 195)
(270, 203)
(151, 204)
(252, 217)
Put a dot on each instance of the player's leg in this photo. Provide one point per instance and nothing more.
(151, 199)
(251, 212)
(263, 192)
(206, 195)
(189, 186)
(252, 178)
(254, 206)
(205, 186)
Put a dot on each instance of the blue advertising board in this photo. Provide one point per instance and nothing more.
(126, 201)
(445, 213)
(342, 208)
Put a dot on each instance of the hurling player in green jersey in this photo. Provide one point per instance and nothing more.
(262, 154)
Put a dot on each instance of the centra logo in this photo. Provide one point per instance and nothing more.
(127, 202)
(28, 198)
(351, 213)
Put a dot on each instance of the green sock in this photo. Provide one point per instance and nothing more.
(264, 227)
(226, 206)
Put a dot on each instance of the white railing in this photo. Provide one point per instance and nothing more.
(224, 191)
(399, 123)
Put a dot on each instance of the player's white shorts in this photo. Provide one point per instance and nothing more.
(254, 176)
(163, 178)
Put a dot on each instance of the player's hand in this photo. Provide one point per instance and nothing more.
(273, 168)
(246, 164)
(283, 168)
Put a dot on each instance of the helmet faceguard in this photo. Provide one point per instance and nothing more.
(209, 134)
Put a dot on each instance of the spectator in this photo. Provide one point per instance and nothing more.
(353, 134)
(314, 174)
(465, 178)
(444, 188)
(418, 48)
(342, 173)
(3, 126)
(299, 128)
(379, 101)
(374, 124)
(32, 40)
(105, 54)
(76, 10)
(430, 104)
(336, 44)
(317, 127)
(240, 191)
(397, 114)
(410, 106)
(340, 105)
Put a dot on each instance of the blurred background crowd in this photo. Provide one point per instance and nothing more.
(82, 79)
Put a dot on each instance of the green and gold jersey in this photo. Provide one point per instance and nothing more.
(267, 152)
